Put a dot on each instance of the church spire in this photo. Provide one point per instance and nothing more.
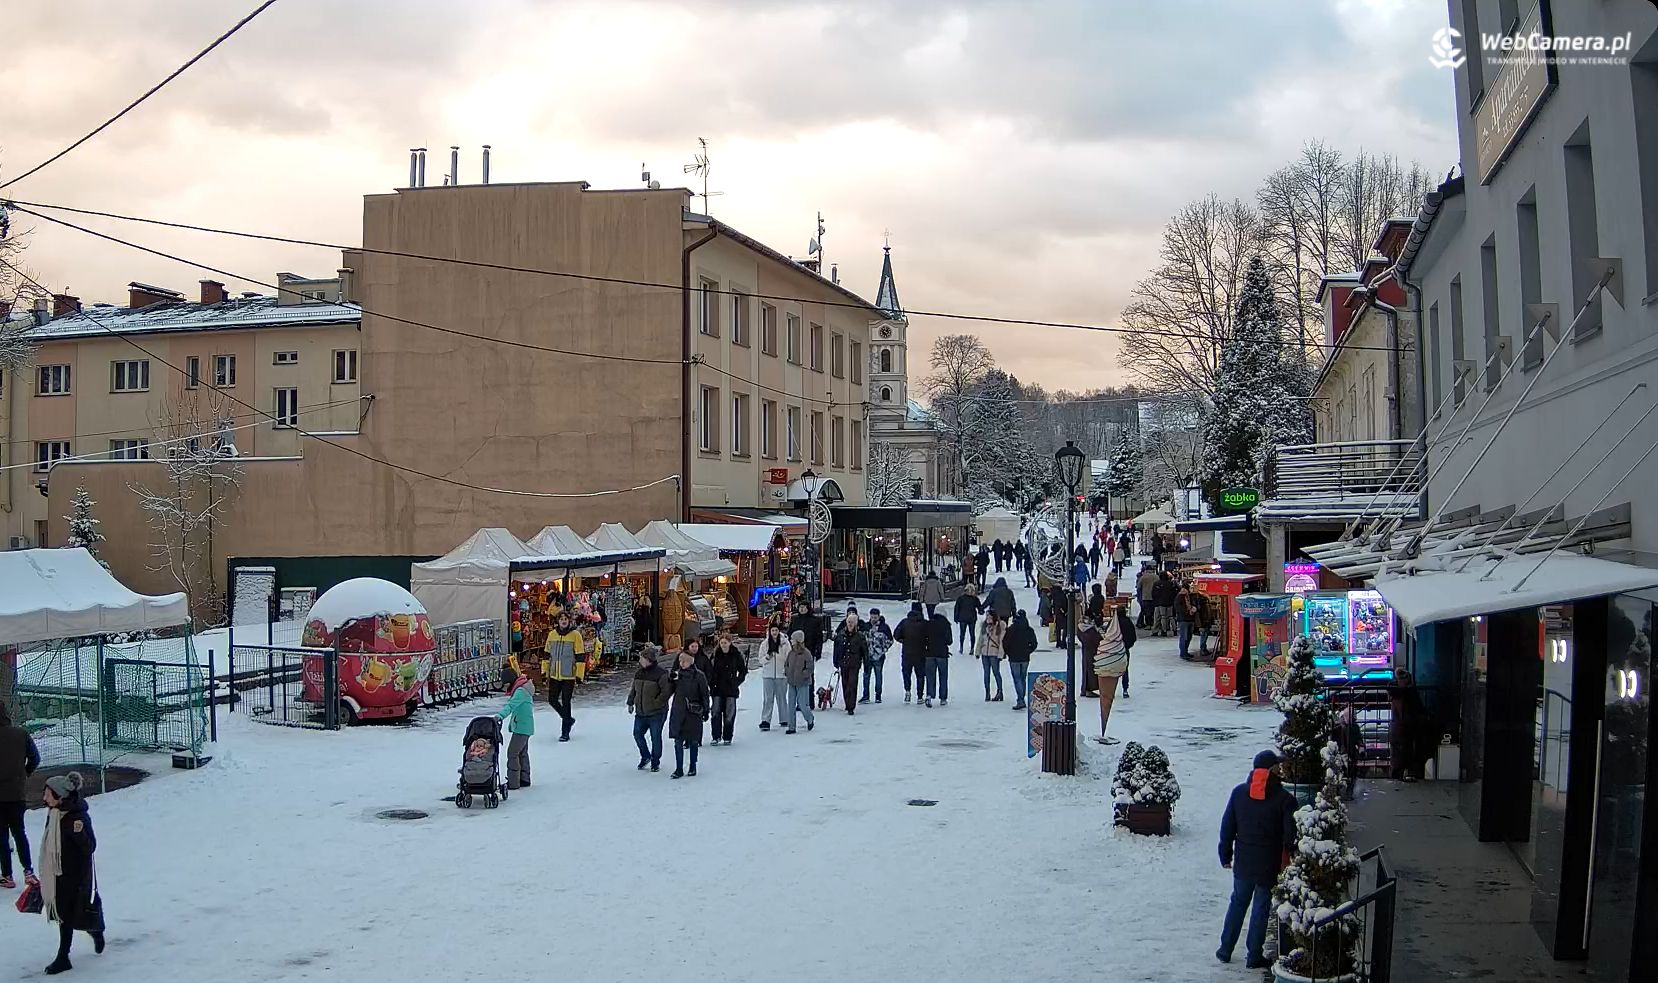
(886, 295)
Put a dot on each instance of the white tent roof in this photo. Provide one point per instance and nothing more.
(64, 593)
(1430, 595)
(689, 556)
(558, 541)
(1153, 517)
(731, 538)
(482, 558)
(614, 536)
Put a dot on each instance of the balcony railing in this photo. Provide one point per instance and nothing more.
(1341, 479)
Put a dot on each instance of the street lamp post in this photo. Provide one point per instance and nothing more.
(1068, 462)
(809, 481)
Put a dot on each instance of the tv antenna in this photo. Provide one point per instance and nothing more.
(701, 166)
(814, 247)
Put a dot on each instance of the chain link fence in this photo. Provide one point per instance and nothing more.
(289, 687)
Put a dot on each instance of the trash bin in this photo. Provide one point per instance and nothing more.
(1059, 747)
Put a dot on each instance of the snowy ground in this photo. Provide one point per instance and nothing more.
(787, 858)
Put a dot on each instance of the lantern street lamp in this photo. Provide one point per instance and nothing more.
(1069, 462)
(809, 481)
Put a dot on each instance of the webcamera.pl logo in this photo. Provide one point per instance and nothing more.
(1447, 49)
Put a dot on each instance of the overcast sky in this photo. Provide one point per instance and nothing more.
(1023, 153)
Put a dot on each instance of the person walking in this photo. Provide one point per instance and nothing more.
(68, 876)
(1257, 831)
(648, 702)
(938, 661)
(969, 573)
(851, 650)
(563, 663)
(931, 592)
(990, 652)
(1094, 557)
(690, 697)
(797, 669)
(998, 550)
(880, 641)
(1162, 606)
(1000, 601)
(1026, 565)
(519, 713)
(1096, 604)
(1125, 624)
(811, 623)
(774, 683)
(1122, 556)
(1061, 605)
(1143, 585)
(967, 618)
(19, 757)
(914, 636)
(982, 568)
(1157, 551)
(1185, 616)
(1079, 574)
(725, 683)
(1020, 644)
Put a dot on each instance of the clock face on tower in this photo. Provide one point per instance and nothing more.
(886, 331)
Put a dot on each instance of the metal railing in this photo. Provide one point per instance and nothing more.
(1375, 893)
(1350, 467)
(290, 687)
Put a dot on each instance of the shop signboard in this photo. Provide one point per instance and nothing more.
(1513, 94)
(1046, 702)
(777, 476)
(1235, 500)
(1300, 576)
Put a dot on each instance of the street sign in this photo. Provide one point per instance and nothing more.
(1233, 500)
(777, 476)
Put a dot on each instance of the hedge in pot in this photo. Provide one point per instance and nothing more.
(1315, 884)
(1144, 790)
(1308, 723)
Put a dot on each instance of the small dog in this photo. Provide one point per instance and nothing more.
(825, 697)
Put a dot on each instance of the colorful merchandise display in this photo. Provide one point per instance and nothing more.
(1369, 632)
(1222, 591)
(1270, 618)
(1324, 620)
(468, 661)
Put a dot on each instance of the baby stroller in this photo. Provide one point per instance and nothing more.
(481, 773)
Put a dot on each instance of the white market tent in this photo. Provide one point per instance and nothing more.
(48, 594)
(733, 538)
(470, 581)
(1156, 518)
(997, 523)
(614, 537)
(558, 541)
(689, 556)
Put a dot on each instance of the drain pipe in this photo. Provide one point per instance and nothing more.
(685, 483)
(1395, 409)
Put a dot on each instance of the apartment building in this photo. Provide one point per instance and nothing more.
(113, 384)
(1366, 386)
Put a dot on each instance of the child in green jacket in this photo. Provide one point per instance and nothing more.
(519, 713)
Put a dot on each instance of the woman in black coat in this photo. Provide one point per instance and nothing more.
(68, 880)
(691, 697)
(851, 651)
(729, 667)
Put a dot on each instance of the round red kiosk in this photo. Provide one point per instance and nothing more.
(384, 644)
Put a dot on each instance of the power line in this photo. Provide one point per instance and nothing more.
(221, 39)
(141, 430)
(25, 206)
(338, 446)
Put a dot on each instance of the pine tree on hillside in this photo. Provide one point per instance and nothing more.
(83, 528)
(993, 447)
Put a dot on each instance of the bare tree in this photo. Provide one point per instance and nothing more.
(17, 297)
(1182, 313)
(960, 363)
(1299, 205)
(1374, 188)
(201, 479)
(891, 474)
(1171, 446)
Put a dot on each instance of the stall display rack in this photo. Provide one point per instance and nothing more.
(468, 661)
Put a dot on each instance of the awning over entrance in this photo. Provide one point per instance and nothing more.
(1489, 587)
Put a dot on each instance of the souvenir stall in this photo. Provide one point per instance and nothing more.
(1222, 591)
(466, 583)
(638, 580)
(468, 660)
(589, 585)
(765, 572)
(691, 570)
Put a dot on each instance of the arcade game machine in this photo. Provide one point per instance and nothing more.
(1370, 638)
(1324, 620)
(1270, 624)
(1222, 590)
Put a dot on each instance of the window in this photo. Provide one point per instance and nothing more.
(129, 376)
(1488, 302)
(1353, 412)
(1582, 232)
(1459, 349)
(1643, 81)
(817, 437)
(817, 348)
(739, 318)
(287, 408)
(1436, 354)
(285, 358)
(1531, 281)
(739, 425)
(54, 380)
(710, 308)
(793, 339)
(793, 434)
(224, 371)
(837, 442)
(857, 359)
(710, 433)
(40, 533)
(886, 360)
(1370, 402)
(768, 329)
(886, 394)
(857, 445)
(49, 451)
(1471, 47)
(192, 372)
(345, 366)
(768, 428)
(837, 355)
(129, 450)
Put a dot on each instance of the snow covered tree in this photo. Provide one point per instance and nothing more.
(1315, 882)
(999, 460)
(1261, 391)
(1125, 471)
(83, 528)
(891, 476)
(1308, 720)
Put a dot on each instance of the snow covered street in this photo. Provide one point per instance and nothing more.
(787, 858)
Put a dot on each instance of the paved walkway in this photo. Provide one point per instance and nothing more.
(1464, 906)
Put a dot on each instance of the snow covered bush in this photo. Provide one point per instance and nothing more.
(83, 528)
(1308, 720)
(1143, 778)
(1317, 881)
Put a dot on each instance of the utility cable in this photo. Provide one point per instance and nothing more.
(144, 430)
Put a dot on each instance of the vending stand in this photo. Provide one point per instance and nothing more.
(1353, 634)
(1270, 620)
(764, 572)
(1223, 591)
(590, 585)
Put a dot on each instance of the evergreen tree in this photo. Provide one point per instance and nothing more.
(999, 461)
(83, 528)
(1308, 719)
(1126, 470)
(1315, 883)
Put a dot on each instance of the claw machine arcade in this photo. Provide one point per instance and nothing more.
(1223, 591)
(1370, 638)
(1324, 620)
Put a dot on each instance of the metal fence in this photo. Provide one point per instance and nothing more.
(290, 687)
(153, 705)
(1372, 907)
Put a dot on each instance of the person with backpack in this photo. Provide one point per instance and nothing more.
(1020, 644)
(851, 650)
(648, 702)
(1257, 831)
(798, 670)
(729, 666)
(690, 698)
(68, 877)
(19, 757)
(880, 641)
(774, 683)
(938, 661)
(914, 637)
(989, 652)
(1000, 601)
(967, 618)
(519, 712)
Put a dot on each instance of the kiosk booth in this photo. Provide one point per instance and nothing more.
(747, 599)
(591, 585)
(693, 573)
(1223, 590)
(882, 551)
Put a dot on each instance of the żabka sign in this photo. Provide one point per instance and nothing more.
(1239, 499)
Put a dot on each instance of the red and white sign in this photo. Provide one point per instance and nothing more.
(777, 476)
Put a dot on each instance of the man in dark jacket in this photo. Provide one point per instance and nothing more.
(1019, 643)
(982, 568)
(938, 661)
(648, 701)
(1256, 831)
(1000, 600)
(18, 760)
(809, 622)
(967, 618)
(1094, 557)
(998, 549)
(1162, 605)
(914, 636)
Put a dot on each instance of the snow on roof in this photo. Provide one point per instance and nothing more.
(1333, 506)
(258, 312)
(361, 597)
(688, 555)
(486, 546)
(48, 594)
(916, 413)
(1424, 596)
(558, 541)
(614, 536)
(731, 538)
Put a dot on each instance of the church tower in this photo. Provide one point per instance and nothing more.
(889, 390)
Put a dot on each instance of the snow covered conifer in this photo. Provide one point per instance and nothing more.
(1308, 720)
(1126, 470)
(83, 528)
(1144, 777)
(1316, 880)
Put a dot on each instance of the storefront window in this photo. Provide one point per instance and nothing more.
(1625, 747)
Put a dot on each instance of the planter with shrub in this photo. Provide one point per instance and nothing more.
(1144, 790)
(1317, 943)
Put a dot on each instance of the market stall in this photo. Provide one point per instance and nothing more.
(588, 584)
(764, 575)
(882, 551)
(997, 523)
(1232, 661)
(466, 583)
(380, 639)
(692, 571)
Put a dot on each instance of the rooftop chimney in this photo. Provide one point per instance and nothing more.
(213, 292)
(63, 304)
(144, 294)
(348, 292)
(420, 173)
(414, 162)
(486, 163)
(454, 164)
(42, 312)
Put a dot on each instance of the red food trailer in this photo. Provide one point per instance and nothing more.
(1222, 591)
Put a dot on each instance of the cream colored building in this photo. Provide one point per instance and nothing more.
(894, 418)
(1366, 388)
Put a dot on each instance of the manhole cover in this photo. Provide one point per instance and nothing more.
(400, 814)
(959, 744)
(839, 740)
(923, 802)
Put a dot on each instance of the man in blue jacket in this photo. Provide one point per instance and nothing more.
(1256, 831)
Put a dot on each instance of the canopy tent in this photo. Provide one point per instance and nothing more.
(1156, 518)
(557, 541)
(1514, 581)
(613, 536)
(48, 594)
(997, 523)
(469, 581)
(540, 566)
(733, 538)
(689, 556)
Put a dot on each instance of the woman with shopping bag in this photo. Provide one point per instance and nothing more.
(68, 880)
